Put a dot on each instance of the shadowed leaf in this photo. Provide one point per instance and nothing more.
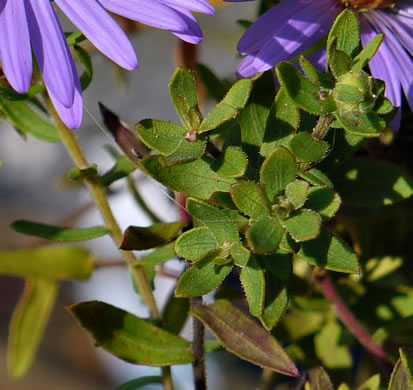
(245, 338)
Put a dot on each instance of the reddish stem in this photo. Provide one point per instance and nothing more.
(352, 324)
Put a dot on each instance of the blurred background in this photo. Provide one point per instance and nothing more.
(32, 186)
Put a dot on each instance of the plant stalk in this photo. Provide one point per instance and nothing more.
(352, 324)
(198, 348)
(99, 196)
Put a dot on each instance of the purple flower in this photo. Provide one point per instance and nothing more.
(293, 26)
(33, 24)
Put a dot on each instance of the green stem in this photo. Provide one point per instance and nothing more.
(99, 196)
(137, 196)
(322, 126)
(268, 379)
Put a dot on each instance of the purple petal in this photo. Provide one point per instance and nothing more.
(383, 67)
(100, 28)
(302, 30)
(246, 68)
(16, 53)
(201, 6)
(51, 50)
(71, 116)
(192, 33)
(149, 12)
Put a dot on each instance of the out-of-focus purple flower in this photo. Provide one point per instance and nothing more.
(33, 24)
(293, 26)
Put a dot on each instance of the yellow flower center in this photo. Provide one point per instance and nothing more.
(367, 5)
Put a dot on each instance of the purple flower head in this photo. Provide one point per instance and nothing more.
(33, 24)
(293, 26)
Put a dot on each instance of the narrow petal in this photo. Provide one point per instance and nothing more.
(101, 29)
(51, 50)
(16, 53)
(192, 33)
(149, 12)
(246, 68)
(201, 6)
(71, 116)
(301, 31)
(383, 68)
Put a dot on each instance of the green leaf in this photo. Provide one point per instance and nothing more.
(185, 99)
(161, 136)
(249, 199)
(307, 149)
(229, 108)
(131, 338)
(356, 179)
(140, 382)
(48, 262)
(245, 338)
(186, 152)
(330, 252)
(302, 91)
(310, 71)
(279, 269)
(193, 179)
(84, 58)
(323, 200)
(365, 56)
(122, 168)
(240, 254)
(216, 88)
(159, 255)
(277, 171)
(328, 342)
(195, 243)
(75, 38)
(253, 281)
(233, 164)
(406, 356)
(372, 383)
(316, 178)
(217, 220)
(303, 225)
(283, 122)
(297, 192)
(399, 379)
(58, 233)
(21, 116)
(175, 314)
(346, 30)
(253, 119)
(367, 125)
(319, 379)
(28, 324)
(340, 62)
(202, 278)
(378, 268)
(141, 238)
(264, 235)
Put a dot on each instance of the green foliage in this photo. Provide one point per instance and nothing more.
(131, 338)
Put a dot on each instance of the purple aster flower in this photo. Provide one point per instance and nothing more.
(33, 24)
(293, 26)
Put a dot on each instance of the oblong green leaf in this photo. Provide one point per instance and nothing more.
(21, 116)
(48, 262)
(278, 170)
(330, 252)
(245, 338)
(303, 225)
(319, 379)
(297, 192)
(365, 56)
(28, 324)
(58, 233)
(202, 278)
(195, 243)
(193, 179)
(158, 256)
(253, 282)
(138, 383)
(323, 200)
(399, 379)
(182, 89)
(307, 149)
(249, 199)
(233, 164)
(140, 238)
(131, 338)
(265, 234)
